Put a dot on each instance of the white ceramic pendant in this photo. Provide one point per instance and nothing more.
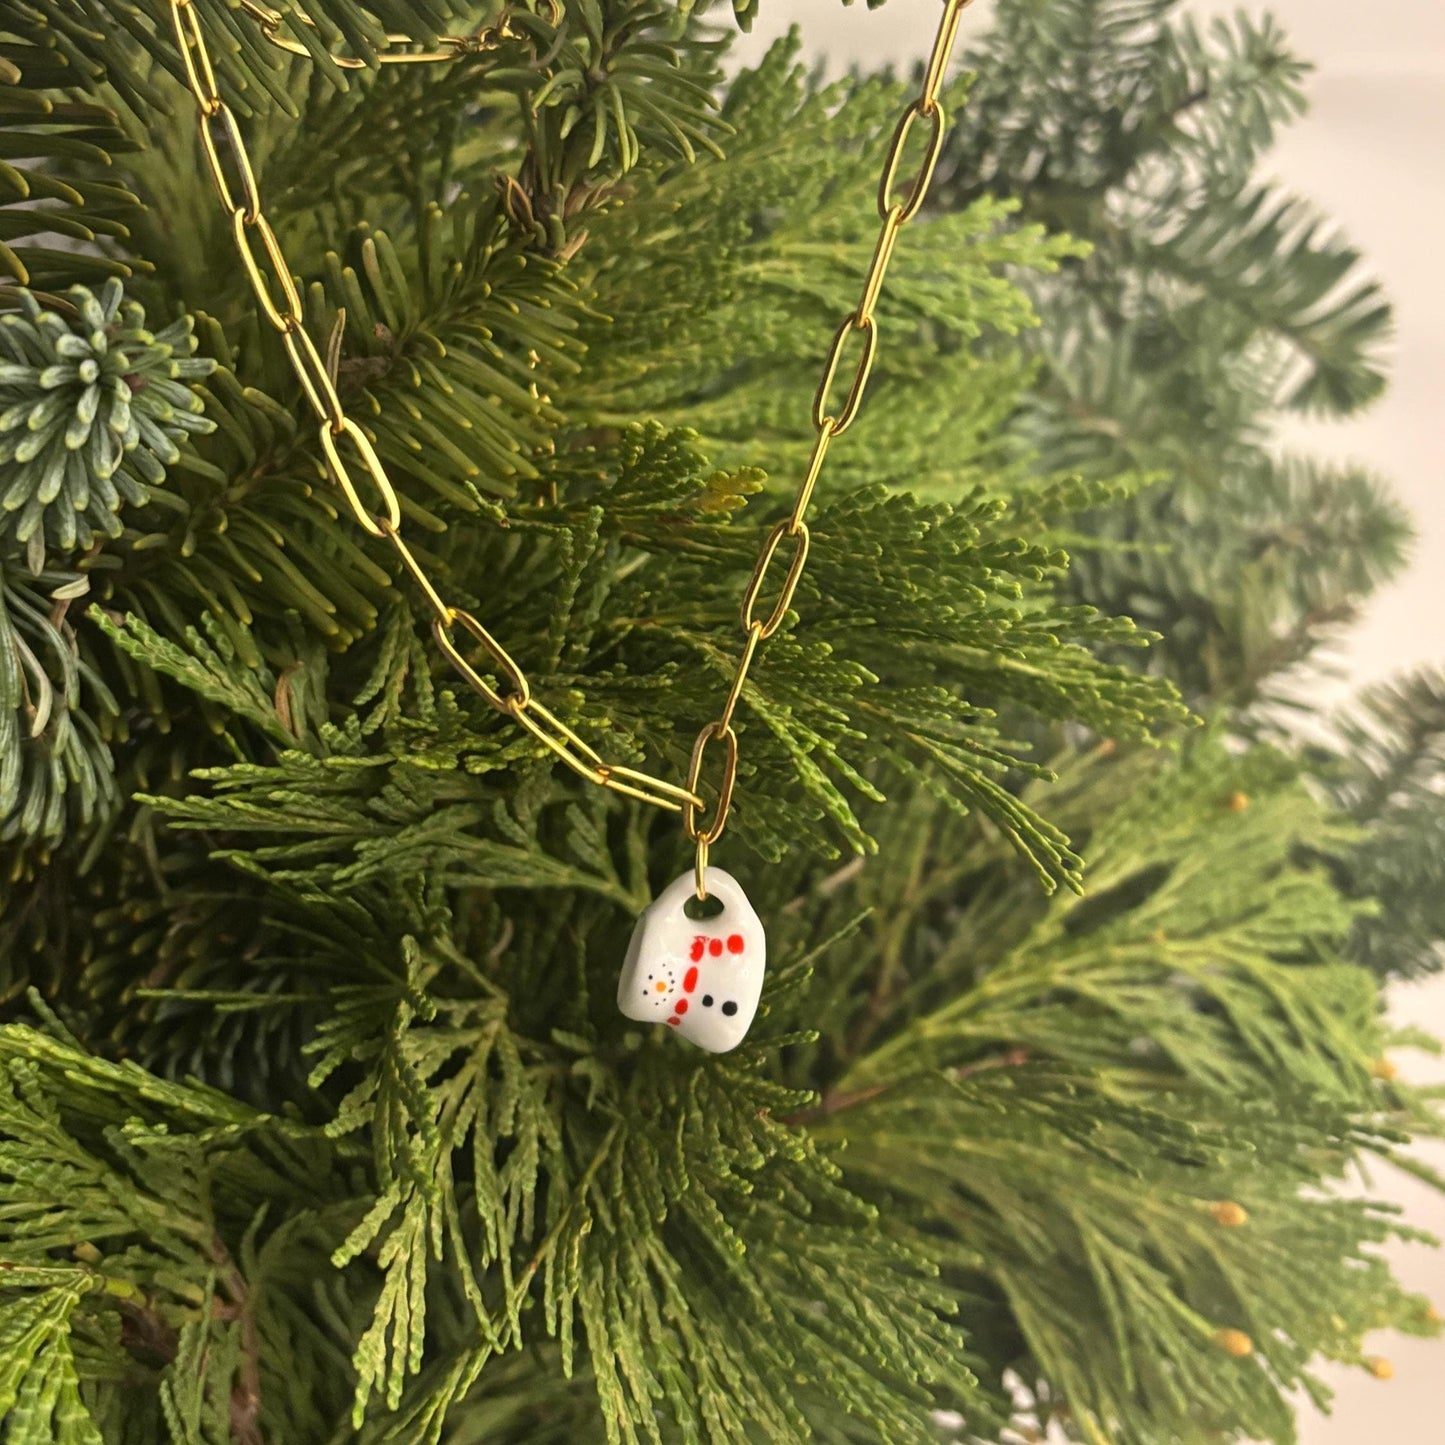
(702, 977)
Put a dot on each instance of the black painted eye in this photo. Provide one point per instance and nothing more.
(707, 1000)
(730, 1008)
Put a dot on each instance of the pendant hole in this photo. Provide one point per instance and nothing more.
(699, 909)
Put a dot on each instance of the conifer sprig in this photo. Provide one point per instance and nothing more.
(1210, 301)
(92, 407)
(1387, 773)
(64, 216)
(56, 770)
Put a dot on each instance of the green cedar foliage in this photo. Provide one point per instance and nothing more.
(1030, 1114)
(317, 1122)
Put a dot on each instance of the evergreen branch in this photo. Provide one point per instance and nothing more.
(207, 668)
(1385, 772)
(340, 1111)
(61, 221)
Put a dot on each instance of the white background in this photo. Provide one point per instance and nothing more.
(1372, 154)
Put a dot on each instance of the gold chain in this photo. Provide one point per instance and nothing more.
(338, 432)
(401, 49)
(859, 327)
(280, 303)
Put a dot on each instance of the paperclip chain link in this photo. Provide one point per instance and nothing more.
(401, 49)
(790, 539)
(350, 456)
(279, 302)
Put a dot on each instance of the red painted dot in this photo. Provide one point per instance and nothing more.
(674, 1020)
(689, 980)
(698, 945)
(715, 947)
(735, 943)
(680, 1006)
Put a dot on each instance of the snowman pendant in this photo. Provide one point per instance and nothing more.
(703, 977)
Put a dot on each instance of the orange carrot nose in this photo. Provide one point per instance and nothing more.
(660, 987)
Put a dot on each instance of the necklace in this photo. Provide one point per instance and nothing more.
(702, 975)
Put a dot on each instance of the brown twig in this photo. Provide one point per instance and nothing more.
(246, 1390)
(835, 1101)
